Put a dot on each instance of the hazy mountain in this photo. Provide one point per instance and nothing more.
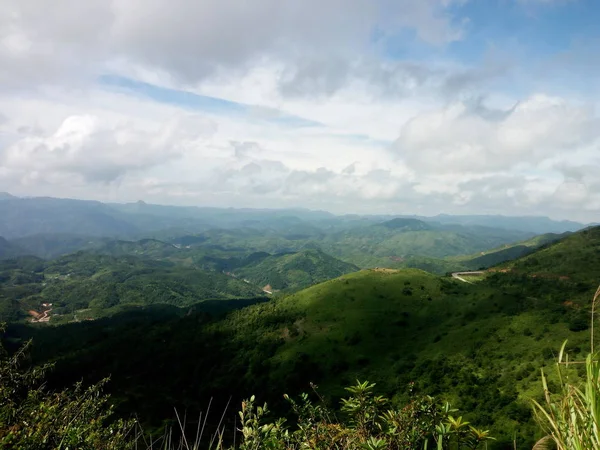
(533, 224)
(21, 217)
(9, 249)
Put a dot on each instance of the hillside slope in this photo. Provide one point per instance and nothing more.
(479, 346)
(576, 257)
(509, 252)
(295, 270)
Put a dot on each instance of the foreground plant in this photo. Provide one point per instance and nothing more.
(32, 417)
(571, 416)
(368, 422)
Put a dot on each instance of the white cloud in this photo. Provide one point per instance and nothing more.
(49, 41)
(459, 139)
(99, 151)
(399, 134)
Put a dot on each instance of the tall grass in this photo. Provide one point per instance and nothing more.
(572, 415)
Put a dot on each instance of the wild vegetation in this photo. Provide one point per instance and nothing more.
(175, 325)
(33, 417)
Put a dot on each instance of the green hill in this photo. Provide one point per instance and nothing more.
(295, 270)
(508, 252)
(576, 258)
(149, 248)
(88, 285)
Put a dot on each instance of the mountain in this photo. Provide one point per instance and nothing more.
(532, 224)
(388, 243)
(9, 249)
(400, 224)
(41, 215)
(197, 219)
(294, 270)
(49, 246)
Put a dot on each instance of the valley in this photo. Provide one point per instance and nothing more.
(466, 313)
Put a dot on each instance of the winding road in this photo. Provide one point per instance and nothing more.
(43, 317)
(459, 275)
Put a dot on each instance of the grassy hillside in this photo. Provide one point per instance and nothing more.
(294, 270)
(381, 244)
(533, 224)
(508, 252)
(577, 258)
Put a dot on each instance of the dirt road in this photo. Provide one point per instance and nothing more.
(459, 275)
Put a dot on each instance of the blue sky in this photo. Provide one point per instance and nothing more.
(190, 100)
(407, 106)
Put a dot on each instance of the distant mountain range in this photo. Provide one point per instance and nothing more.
(20, 217)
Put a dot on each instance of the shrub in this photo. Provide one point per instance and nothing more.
(34, 418)
(368, 422)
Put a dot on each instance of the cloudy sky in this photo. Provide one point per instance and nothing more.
(367, 106)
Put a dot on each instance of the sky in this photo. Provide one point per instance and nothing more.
(351, 106)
